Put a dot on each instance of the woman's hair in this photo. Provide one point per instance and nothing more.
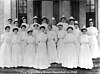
(83, 29)
(36, 24)
(15, 21)
(15, 29)
(9, 19)
(42, 27)
(71, 20)
(23, 26)
(29, 31)
(62, 18)
(47, 21)
(69, 28)
(7, 27)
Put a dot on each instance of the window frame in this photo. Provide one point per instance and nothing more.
(90, 5)
(20, 15)
(90, 13)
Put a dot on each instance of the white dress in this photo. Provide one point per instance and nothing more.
(69, 53)
(92, 32)
(85, 57)
(23, 36)
(77, 32)
(51, 44)
(11, 30)
(35, 33)
(41, 58)
(5, 50)
(29, 56)
(65, 26)
(98, 38)
(16, 51)
(61, 34)
(55, 29)
(71, 26)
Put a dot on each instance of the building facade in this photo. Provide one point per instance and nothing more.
(81, 10)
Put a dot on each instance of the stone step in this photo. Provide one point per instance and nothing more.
(55, 68)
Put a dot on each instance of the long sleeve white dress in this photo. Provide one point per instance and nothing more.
(41, 58)
(85, 57)
(51, 44)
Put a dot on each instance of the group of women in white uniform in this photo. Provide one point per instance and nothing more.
(38, 45)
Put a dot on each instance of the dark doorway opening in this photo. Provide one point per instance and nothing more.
(88, 16)
(56, 10)
(37, 10)
(75, 9)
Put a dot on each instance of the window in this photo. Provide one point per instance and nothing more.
(90, 11)
(22, 10)
(90, 6)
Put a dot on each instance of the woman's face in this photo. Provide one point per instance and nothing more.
(63, 20)
(70, 30)
(16, 23)
(71, 22)
(35, 21)
(30, 33)
(91, 23)
(15, 31)
(53, 22)
(24, 20)
(23, 28)
(84, 31)
(36, 26)
(9, 21)
(60, 27)
(44, 21)
(76, 26)
(7, 30)
(42, 29)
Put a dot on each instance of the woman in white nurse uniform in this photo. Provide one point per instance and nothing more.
(16, 49)
(51, 44)
(60, 44)
(5, 49)
(41, 58)
(93, 32)
(29, 55)
(70, 54)
(85, 56)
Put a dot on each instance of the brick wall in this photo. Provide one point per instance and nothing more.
(30, 11)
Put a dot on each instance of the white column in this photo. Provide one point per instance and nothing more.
(99, 15)
(13, 9)
(47, 9)
(99, 20)
(82, 13)
(64, 9)
(1, 16)
(7, 10)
